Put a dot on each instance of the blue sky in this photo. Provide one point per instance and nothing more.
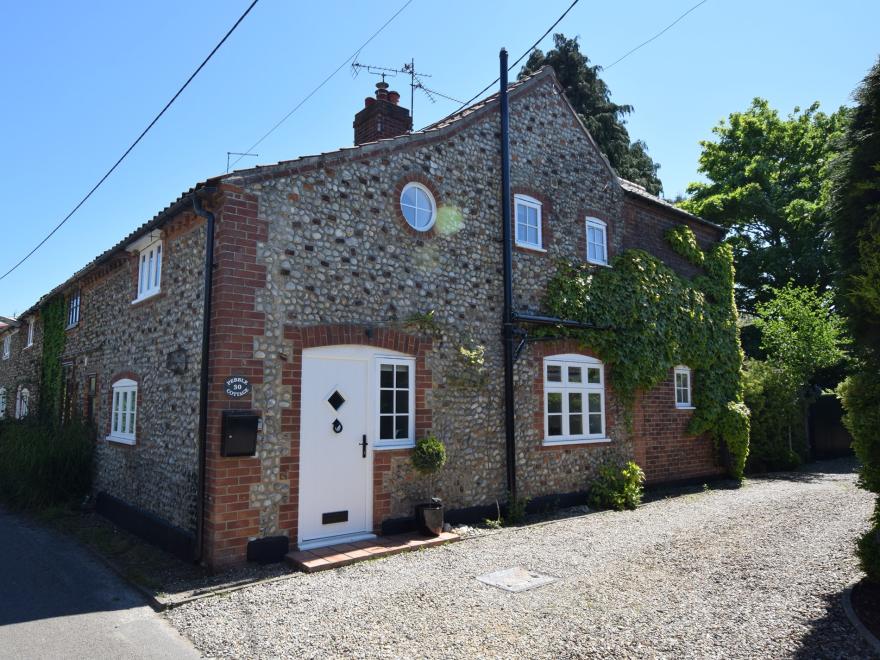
(81, 80)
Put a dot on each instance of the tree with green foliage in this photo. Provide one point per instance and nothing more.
(766, 184)
(800, 335)
(591, 99)
(854, 207)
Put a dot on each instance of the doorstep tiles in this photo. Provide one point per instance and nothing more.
(334, 556)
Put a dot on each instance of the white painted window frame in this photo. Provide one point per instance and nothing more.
(30, 333)
(596, 223)
(424, 189)
(7, 346)
(22, 402)
(73, 309)
(682, 370)
(529, 202)
(410, 440)
(149, 282)
(3, 402)
(124, 412)
(565, 387)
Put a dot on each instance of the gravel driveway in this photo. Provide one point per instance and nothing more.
(756, 572)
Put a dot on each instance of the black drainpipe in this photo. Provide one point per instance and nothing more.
(507, 326)
(203, 378)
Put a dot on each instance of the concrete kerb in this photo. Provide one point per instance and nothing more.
(866, 634)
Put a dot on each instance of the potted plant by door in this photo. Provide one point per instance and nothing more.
(428, 457)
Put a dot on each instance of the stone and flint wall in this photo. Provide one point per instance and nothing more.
(116, 339)
(319, 254)
(23, 368)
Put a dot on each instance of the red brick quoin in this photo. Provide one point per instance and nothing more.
(229, 519)
(333, 335)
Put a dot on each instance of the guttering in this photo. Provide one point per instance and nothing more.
(203, 377)
(537, 319)
(507, 322)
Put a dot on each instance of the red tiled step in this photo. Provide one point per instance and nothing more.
(334, 556)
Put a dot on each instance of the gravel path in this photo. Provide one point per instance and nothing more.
(751, 573)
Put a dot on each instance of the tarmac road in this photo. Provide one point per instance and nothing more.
(56, 601)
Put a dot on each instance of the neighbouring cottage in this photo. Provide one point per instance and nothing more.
(355, 306)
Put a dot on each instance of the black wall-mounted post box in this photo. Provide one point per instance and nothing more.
(239, 433)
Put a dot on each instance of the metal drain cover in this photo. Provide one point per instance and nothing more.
(516, 579)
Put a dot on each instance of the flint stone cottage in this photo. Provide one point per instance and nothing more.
(355, 306)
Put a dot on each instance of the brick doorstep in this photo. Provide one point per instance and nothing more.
(335, 556)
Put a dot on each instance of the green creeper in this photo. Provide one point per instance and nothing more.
(650, 319)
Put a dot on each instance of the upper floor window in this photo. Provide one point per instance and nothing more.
(397, 398)
(528, 221)
(574, 399)
(73, 309)
(22, 403)
(683, 387)
(149, 270)
(7, 346)
(418, 206)
(123, 414)
(597, 241)
(30, 332)
(2, 402)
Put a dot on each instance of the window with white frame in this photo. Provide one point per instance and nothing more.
(22, 403)
(2, 402)
(528, 221)
(683, 387)
(597, 241)
(30, 333)
(396, 420)
(7, 346)
(123, 413)
(418, 206)
(574, 399)
(73, 309)
(149, 270)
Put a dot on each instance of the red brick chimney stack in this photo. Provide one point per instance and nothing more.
(382, 117)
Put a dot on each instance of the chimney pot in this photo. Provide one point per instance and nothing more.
(394, 97)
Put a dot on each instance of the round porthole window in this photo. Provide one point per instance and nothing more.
(418, 206)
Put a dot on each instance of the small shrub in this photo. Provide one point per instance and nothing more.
(42, 465)
(516, 509)
(428, 457)
(617, 487)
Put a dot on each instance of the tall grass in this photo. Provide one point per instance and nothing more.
(43, 464)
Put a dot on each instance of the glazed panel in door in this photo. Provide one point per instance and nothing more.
(334, 463)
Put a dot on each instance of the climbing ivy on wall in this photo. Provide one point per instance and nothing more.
(52, 315)
(649, 319)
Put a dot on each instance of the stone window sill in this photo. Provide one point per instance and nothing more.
(385, 446)
(531, 248)
(685, 407)
(120, 441)
(151, 294)
(580, 441)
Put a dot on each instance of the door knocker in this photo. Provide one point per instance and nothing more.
(337, 426)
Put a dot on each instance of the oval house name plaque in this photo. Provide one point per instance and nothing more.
(237, 386)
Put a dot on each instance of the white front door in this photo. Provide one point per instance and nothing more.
(335, 475)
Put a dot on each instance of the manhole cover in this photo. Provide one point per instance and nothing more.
(516, 579)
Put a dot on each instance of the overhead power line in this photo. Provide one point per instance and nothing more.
(521, 58)
(135, 143)
(645, 43)
(325, 81)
